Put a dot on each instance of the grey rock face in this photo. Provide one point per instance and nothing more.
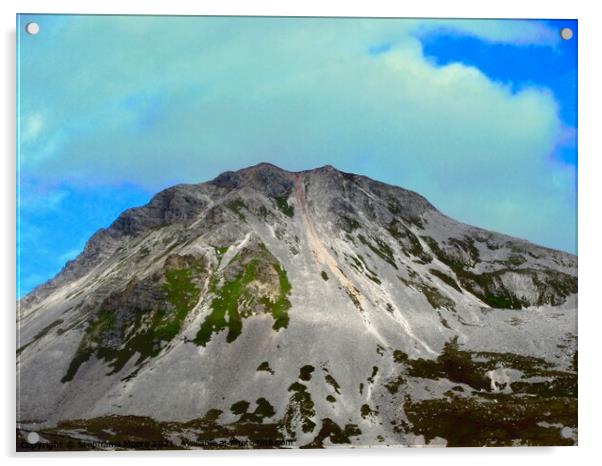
(266, 178)
(319, 307)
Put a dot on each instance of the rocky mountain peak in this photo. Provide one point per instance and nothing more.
(318, 306)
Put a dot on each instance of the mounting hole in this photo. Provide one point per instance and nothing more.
(33, 438)
(566, 33)
(32, 28)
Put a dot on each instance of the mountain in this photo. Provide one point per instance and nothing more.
(271, 308)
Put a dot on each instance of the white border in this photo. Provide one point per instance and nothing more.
(590, 234)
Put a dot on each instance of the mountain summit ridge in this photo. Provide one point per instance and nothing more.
(339, 308)
(176, 200)
(170, 200)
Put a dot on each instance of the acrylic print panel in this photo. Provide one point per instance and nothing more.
(246, 232)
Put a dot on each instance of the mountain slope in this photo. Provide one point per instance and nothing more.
(309, 308)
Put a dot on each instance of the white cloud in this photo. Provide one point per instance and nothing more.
(299, 93)
(31, 127)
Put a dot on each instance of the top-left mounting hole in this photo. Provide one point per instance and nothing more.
(32, 28)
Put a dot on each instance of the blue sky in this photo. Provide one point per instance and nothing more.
(479, 116)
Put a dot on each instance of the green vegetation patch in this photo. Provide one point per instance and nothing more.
(552, 286)
(330, 380)
(225, 313)
(237, 298)
(444, 321)
(183, 294)
(300, 407)
(284, 207)
(142, 318)
(514, 260)
(367, 412)
(435, 298)
(332, 431)
(359, 263)
(400, 357)
(380, 248)
(240, 407)
(446, 279)
(220, 251)
(262, 411)
(324, 276)
(124, 431)
(542, 402)
(502, 421)
(305, 373)
(452, 364)
(562, 384)
(354, 299)
(530, 366)
(471, 368)
(393, 385)
(265, 366)
(409, 242)
(371, 274)
(374, 372)
(355, 263)
(280, 307)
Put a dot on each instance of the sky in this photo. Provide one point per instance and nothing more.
(479, 116)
